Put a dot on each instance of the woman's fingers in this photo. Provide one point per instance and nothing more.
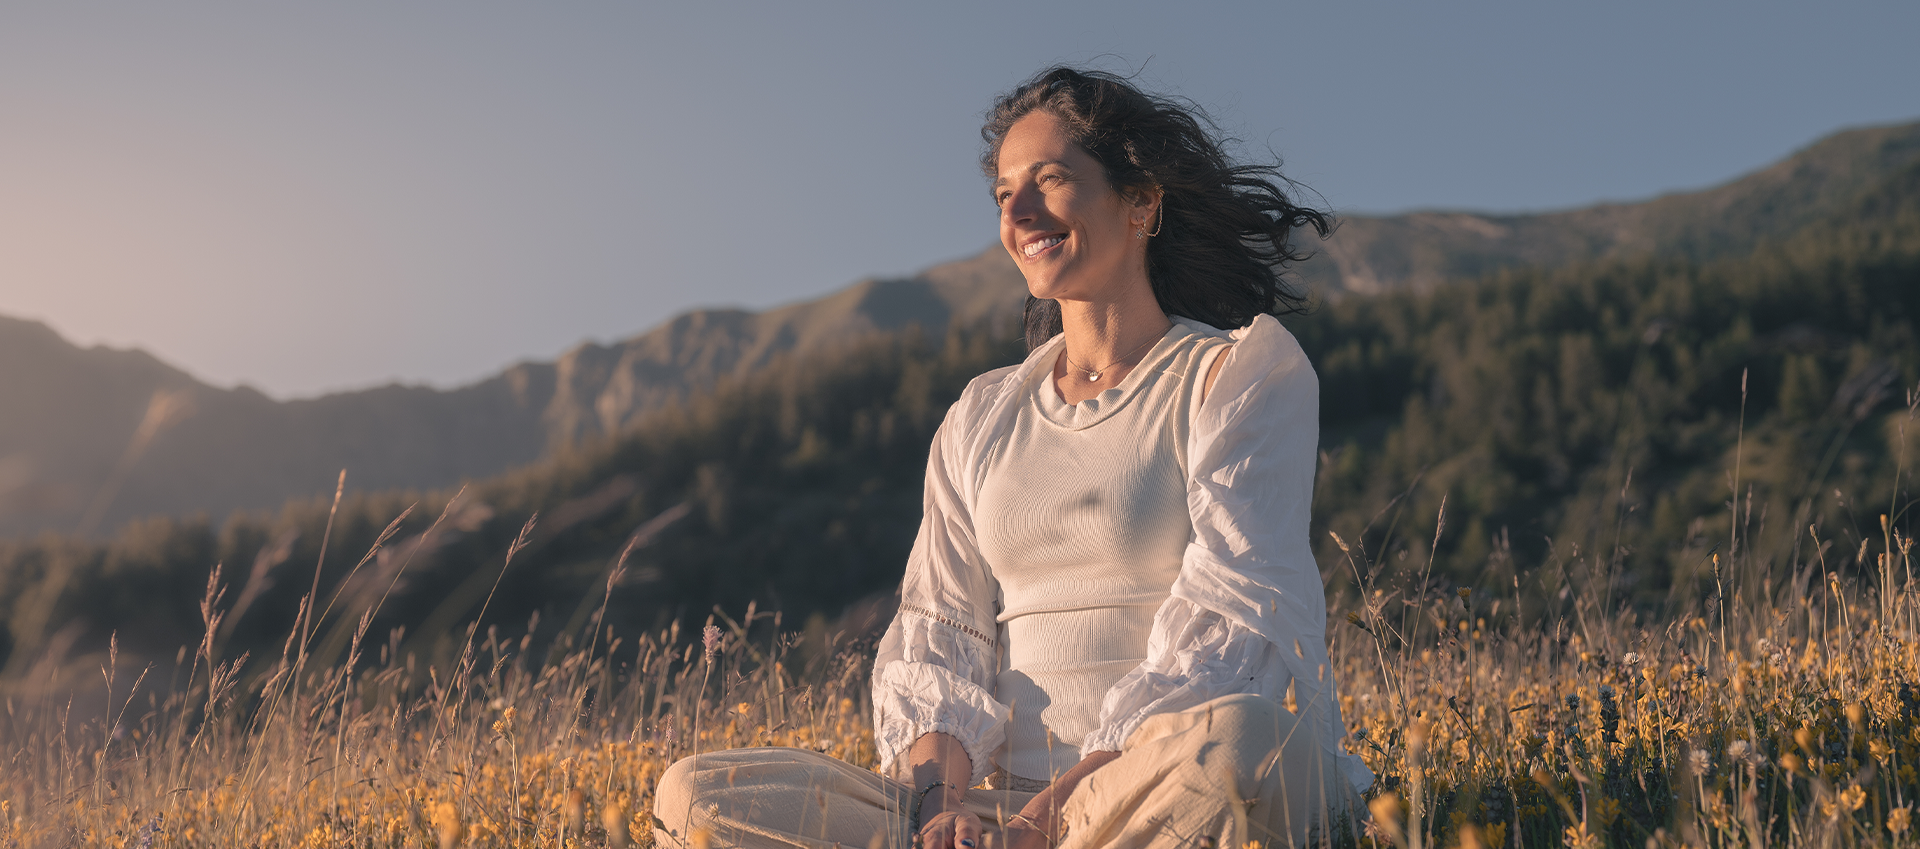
(936, 834)
(966, 831)
(951, 830)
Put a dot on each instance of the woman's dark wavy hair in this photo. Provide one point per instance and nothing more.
(1226, 231)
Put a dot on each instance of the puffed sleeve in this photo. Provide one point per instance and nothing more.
(1248, 611)
(935, 666)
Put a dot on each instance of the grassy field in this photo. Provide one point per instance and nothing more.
(1778, 705)
(1700, 630)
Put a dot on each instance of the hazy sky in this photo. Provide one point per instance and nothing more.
(314, 196)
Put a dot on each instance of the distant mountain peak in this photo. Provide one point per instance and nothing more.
(1371, 254)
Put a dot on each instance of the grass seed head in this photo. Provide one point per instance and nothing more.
(447, 825)
(1418, 730)
(1387, 813)
(613, 817)
(575, 811)
(1470, 834)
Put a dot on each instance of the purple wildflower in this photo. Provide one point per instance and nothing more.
(144, 840)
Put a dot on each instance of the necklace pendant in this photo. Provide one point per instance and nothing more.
(1093, 377)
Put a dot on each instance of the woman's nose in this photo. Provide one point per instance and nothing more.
(1021, 205)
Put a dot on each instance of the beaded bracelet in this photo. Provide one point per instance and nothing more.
(920, 799)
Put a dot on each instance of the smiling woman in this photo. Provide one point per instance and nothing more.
(1111, 629)
(1221, 231)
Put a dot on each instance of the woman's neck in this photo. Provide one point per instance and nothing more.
(1104, 341)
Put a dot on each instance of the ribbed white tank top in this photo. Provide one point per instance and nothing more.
(1082, 518)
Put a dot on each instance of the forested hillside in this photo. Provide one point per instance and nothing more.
(1610, 410)
(797, 486)
(92, 438)
(1588, 423)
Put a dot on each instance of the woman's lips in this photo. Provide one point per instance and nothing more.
(1035, 247)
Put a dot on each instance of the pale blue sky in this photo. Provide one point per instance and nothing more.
(306, 197)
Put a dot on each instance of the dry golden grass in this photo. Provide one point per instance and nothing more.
(1771, 713)
(1793, 719)
(503, 749)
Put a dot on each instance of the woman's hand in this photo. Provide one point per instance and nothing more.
(1018, 834)
(1024, 830)
(955, 829)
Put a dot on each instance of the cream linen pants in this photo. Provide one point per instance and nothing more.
(1232, 770)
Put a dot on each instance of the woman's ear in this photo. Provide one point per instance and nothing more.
(1146, 202)
(1147, 214)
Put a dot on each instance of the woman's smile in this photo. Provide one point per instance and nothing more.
(1043, 243)
(1070, 232)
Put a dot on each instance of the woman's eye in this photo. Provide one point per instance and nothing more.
(1000, 198)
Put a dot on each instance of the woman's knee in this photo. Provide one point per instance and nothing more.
(1250, 716)
(1256, 736)
(693, 777)
(1246, 707)
(788, 790)
(685, 797)
(673, 796)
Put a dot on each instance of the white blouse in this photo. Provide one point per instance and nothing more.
(1247, 613)
(1082, 516)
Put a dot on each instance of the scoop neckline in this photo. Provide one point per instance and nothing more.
(1054, 408)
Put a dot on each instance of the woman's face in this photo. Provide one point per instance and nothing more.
(1072, 235)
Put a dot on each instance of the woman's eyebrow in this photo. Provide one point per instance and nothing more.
(1001, 181)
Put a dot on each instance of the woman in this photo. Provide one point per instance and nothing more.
(1111, 630)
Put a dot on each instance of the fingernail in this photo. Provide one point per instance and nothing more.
(966, 841)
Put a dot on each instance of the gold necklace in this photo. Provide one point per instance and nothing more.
(1093, 374)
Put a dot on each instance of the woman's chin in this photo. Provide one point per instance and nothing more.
(1046, 286)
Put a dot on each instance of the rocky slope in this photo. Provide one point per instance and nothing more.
(92, 437)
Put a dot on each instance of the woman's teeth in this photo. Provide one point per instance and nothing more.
(1043, 244)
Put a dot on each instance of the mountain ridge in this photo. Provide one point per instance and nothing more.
(75, 442)
(98, 436)
(1371, 254)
